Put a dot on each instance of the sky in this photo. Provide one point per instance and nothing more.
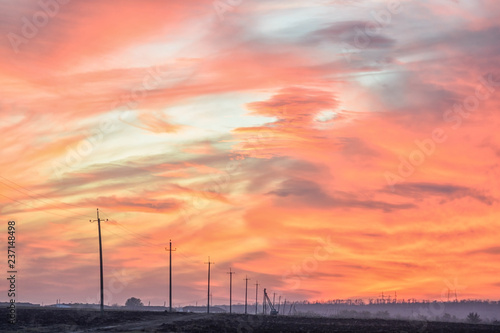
(323, 149)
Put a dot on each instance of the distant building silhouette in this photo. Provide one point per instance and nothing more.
(202, 309)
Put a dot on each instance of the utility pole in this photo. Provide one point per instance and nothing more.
(246, 292)
(256, 293)
(100, 258)
(208, 294)
(170, 277)
(264, 303)
(230, 290)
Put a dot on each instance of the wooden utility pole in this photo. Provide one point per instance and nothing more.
(100, 259)
(264, 303)
(170, 277)
(256, 294)
(208, 293)
(246, 292)
(230, 290)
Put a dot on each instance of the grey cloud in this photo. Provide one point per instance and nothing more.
(305, 192)
(349, 32)
(447, 191)
(488, 250)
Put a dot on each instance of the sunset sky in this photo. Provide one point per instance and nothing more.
(324, 148)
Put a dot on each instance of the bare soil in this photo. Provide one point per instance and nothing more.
(71, 320)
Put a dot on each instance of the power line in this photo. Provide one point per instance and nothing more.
(143, 239)
(43, 211)
(40, 195)
(136, 235)
(190, 259)
(125, 237)
(139, 241)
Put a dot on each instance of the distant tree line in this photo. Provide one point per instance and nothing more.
(396, 301)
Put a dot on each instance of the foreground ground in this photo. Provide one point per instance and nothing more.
(59, 320)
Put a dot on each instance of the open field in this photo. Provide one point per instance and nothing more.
(65, 320)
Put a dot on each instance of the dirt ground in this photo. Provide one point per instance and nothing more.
(69, 320)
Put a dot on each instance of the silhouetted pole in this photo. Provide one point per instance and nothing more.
(230, 290)
(170, 278)
(100, 259)
(246, 292)
(264, 303)
(256, 294)
(208, 293)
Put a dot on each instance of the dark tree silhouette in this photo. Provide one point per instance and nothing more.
(133, 302)
(473, 318)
